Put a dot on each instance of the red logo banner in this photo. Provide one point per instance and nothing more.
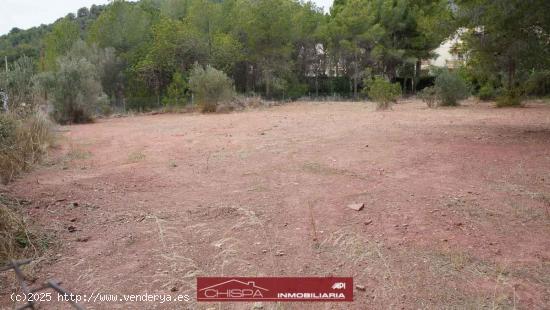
(274, 289)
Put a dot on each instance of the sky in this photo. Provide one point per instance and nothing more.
(25, 14)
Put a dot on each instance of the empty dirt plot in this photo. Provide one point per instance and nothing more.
(456, 214)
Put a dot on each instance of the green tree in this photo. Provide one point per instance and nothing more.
(309, 52)
(176, 93)
(507, 39)
(175, 9)
(108, 66)
(123, 25)
(19, 83)
(76, 90)
(210, 86)
(213, 22)
(59, 41)
(390, 36)
(267, 32)
(450, 88)
(382, 92)
(175, 47)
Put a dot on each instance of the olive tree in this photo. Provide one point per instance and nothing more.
(210, 86)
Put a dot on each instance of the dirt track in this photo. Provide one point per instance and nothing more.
(459, 201)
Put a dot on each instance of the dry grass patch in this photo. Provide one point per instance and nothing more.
(316, 168)
(77, 153)
(426, 278)
(17, 240)
(23, 142)
(136, 156)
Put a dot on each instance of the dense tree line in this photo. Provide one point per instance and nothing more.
(276, 48)
(507, 47)
(142, 53)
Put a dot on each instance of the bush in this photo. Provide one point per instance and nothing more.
(23, 142)
(104, 106)
(10, 162)
(429, 96)
(296, 90)
(509, 98)
(383, 92)
(450, 88)
(211, 87)
(76, 92)
(487, 92)
(176, 94)
(538, 84)
(19, 83)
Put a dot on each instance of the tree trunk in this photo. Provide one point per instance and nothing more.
(355, 76)
(316, 86)
(417, 72)
(511, 73)
(267, 85)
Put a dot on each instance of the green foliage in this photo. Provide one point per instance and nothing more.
(210, 87)
(18, 43)
(269, 36)
(505, 39)
(277, 48)
(175, 9)
(76, 92)
(386, 35)
(108, 67)
(450, 88)
(510, 98)
(58, 42)
(538, 84)
(296, 91)
(19, 83)
(176, 93)
(487, 92)
(226, 52)
(124, 26)
(383, 92)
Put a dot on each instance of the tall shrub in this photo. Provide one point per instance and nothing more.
(76, 92)
(210, 87)
(18, 82)
(383, 92)
(450, 88)
(176, 94)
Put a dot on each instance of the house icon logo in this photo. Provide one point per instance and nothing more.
(232, 289)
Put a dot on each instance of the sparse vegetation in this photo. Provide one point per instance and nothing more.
(16, 239)
(23, 142)
(422, 208)
(429, 96)
(136, 156)
(487, 92)
(509, 98)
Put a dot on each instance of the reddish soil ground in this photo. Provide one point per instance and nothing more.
(457, 204)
